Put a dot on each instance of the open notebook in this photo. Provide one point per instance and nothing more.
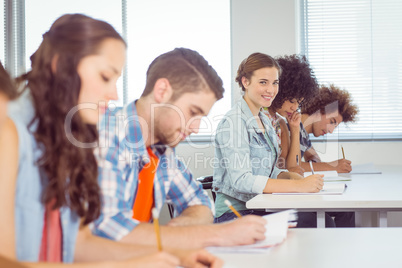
(329, 188)
(276, 232)
(331, 175)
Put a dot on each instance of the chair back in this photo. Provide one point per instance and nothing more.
(206, 182)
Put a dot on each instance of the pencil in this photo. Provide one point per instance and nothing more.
(157, 231)
(227, 202)
(311, 166)
(343, 152)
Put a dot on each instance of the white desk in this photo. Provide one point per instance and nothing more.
(328, 248)
(366, 192)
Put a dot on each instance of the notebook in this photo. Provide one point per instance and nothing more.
(368, 168)
(329, 188)
(276, 232)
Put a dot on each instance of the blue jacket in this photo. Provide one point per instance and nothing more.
(246, 158)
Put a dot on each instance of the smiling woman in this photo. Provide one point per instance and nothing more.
(246, 143)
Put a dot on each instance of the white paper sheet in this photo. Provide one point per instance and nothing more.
(276, 232)
(368, 168)
(330, 175)
(329, 188)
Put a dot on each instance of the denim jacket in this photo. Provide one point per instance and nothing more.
(246, 158)
(29, 210)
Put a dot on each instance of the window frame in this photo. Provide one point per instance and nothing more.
(337, 135)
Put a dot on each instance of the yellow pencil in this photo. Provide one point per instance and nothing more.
(343, 152)
(227, 202)
(156, 225)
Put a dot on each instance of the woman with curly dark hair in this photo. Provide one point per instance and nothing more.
(330, 107)
(49, 185)
(297, 86)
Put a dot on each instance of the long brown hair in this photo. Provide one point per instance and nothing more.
(7, 86)
(71, 171)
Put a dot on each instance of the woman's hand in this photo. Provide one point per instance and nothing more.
(294, 121)
(311, 184)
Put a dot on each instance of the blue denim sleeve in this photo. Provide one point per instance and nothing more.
(233, 152)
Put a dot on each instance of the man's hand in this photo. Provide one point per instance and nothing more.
(243, 231)
(342, 165)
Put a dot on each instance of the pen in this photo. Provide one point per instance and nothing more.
(311, 166)
(227, 202)
(156, 225)
(297, 159)
(343, 152)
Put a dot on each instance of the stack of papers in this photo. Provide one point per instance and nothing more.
(329, 188)
(331, 175)
(276, 232)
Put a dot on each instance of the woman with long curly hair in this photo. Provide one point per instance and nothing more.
(298, 85)
(49, 171)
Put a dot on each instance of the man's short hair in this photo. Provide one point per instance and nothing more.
(186, 70)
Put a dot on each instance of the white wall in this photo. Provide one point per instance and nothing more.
(270, 26)
(200, 161)
(266, 26)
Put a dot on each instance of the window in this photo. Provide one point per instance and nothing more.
(156, 27)
(38, 20)
(152, 28)
(2, 56)
(356, 44)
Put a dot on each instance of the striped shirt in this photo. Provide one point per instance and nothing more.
(121, 155)
(305, 142)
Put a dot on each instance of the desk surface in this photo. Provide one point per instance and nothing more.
(328, 248)
(365, 191)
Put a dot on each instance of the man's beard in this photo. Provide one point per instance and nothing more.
(166, 139)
